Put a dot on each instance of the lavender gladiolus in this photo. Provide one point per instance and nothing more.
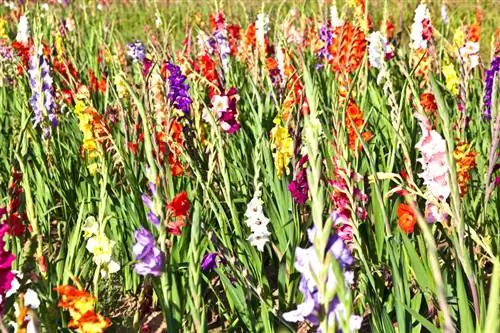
(42, 98)
(308, 264)
(148, 255)
(148, 202)
(220, 37)
(488, 87)
(136, 51)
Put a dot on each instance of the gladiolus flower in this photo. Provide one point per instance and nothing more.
(149, 256)
(466, 160)
(179, 206)
(209, 261)
(6, 259)
(406, 218)
(80, 305)
(354, 119)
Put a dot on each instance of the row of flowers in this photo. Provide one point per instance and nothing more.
(339, 45)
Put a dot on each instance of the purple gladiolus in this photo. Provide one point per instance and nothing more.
(308, 264)
(147, 201)
(136, 51)
(178, 94)
(488, 87)
(325, 34)
(148, 255)
(42, 98)
(154, 218)
(209, 261)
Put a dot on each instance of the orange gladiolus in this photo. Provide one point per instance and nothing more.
(80, 305)
(466, 160)
(348, 48)
(354, 121)
(406, 218)
(250, 38)
(474, 33)
(428, 102)
(429, 105)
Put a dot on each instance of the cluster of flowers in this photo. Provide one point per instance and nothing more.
(136, 51)
(257, 221)
(100, 246)
(168, 130)
(149, 256)
(451, 77)
(178, 210)
(347, 48)
(281, 140)
(80, 305)
(466, 40)
(223, 109)
(308, 265)
(153, 210)
(218, 43)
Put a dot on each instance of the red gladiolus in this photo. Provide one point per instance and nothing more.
(67, 95)
(175, 227)
(103, 85)
(234, 36)
(93, 80)
(179, 206)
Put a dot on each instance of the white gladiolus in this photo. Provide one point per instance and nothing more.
(417, 29)
(469, 53)
(444, 14)
(334, 17)
(376, 49)
(257, 222)
(280, 59)
(100, 246)
(23, 30)
(261, 28)
(157, 20)
(31, 299)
